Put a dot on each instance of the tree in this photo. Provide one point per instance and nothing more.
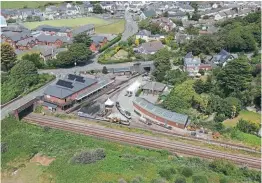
(83, 38)
(182, 97)
(97, 9)
(24, 73)
(205, 17)
(104, 71)
(165, 14)
(234, 105)
(175, 77)
(79, 53)
(8, 56)
(247, 126)
(162, 64)
(235, 76)
(202, 72)
(35, 58)
(10, 20)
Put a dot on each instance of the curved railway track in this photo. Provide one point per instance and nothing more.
(144, 141)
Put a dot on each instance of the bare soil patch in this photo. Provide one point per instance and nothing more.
(42, 159)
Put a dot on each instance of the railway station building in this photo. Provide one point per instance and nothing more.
(154, 88)
(71, 89)
(158, 115)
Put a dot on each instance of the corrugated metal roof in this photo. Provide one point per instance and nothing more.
(163, 113)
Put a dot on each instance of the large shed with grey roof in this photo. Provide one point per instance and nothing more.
(153, 87)
(159, 115)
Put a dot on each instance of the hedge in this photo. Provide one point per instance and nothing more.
(113, 41)
(114, 61)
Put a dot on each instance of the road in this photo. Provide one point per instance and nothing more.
(131, 26)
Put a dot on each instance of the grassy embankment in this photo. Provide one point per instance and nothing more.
(128, 162)
(245, 138)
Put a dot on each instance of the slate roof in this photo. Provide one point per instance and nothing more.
(221, 57)
(189, 55)
(15, 28)
(163, 113)
(52, 28)
(16, 36)
(63, 92)
(49, 38)
(47, 104)
(24, 42)
(149, 13)
(97, 39)
(152, 46)
(155, 86)
(83, 28)
(144, 33)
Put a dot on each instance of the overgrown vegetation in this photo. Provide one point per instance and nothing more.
(236, 35)
(130, 164)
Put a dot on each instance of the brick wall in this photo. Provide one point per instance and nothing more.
(157, 118)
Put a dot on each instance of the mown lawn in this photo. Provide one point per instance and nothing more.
(121, 161)
(28, 4)
(244, 114)
(115, 28)
(101, 25)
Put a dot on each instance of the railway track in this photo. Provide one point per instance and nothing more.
(142, 140)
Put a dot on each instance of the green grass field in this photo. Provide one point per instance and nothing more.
(68, 22)
(28, 4)
(121, 161)
(102, 26)
(246, 115)
(115, 28)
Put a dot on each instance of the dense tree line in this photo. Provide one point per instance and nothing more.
(234, 35)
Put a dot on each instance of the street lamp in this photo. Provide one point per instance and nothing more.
(75, 67)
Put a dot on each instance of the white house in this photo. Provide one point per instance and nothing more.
(215, 5)
(3, 21)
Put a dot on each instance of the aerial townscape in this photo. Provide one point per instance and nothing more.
(130, 91)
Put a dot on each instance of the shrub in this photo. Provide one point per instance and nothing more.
(167, 173)
(180, 180)
(113, 41)
(139, 91)
(247, 126)
(223, 180)
(202, 72)
(199, 179)
(4, 147)
(187, 172)
(104, 71)
(222, 166)
(87, 157)
(220, 118)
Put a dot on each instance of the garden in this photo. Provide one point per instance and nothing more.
(122, 52)
(74, 155)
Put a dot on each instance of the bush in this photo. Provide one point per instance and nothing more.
(187, 172)
(167, 173)
(202, 72)
(87, 157)
(223, 180)
(199, 179)
(247, 126)
(4, 147)
(180, 180)
(220, 118)
(113, 41)
(139, 91)
(104, 71)
(222, 166)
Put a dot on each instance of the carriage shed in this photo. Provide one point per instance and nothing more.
(157, 114)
